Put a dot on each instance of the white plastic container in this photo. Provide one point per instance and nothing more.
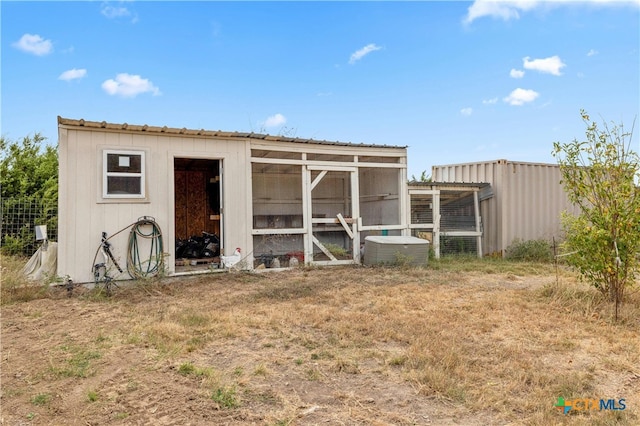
(384, 249)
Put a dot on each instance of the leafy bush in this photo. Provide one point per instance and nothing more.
(600, 176)
(29, 191)
(530, 251)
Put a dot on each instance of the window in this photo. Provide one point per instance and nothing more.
(123, 175)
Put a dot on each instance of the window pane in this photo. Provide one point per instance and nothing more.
(123, 185)
(124, 163)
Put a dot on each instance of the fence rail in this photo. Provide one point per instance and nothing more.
(19, 218)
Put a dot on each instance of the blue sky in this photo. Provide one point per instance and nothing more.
(454, 81)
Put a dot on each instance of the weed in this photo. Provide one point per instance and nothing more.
(336, 250)
(346, 366)
(530, 251)
(398, 360)
(313, 374)
(92, 396)
(323, 354)
(78, 364)
(41, 399)
(225, 397)
(260, 370)
(15, 286)
(299, 361)
(101, 339)
(188, 369)
(403, 260)
(192, 319)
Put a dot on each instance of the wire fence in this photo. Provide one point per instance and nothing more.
(19, 218)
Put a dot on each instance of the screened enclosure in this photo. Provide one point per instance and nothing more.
(318, 207)
(448, 215)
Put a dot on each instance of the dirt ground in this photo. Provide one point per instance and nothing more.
(222, 349)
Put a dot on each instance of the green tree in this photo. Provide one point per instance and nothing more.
(28, 168)
(28, 190)
(423, 177)
(600, 176)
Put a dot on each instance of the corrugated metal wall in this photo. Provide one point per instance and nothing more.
(526, 204)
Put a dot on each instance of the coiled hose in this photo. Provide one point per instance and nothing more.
(153, 264)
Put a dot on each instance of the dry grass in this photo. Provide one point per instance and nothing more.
(13, 286)
(464, 341)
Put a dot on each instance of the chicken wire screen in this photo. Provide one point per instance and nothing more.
(457, 211)
(421, 209)
(277, 196)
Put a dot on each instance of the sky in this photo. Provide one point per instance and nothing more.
(455, 81)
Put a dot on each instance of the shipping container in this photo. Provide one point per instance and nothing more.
(525, 202)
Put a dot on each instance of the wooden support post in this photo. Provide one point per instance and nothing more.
(476, 205)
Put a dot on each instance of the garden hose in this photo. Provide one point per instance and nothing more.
(153, 264)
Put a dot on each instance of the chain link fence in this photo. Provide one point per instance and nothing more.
(19, 218)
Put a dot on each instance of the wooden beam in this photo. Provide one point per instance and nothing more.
(283, 231)
(476, 205)
(332, 220)
(318, 178)
(324, 249)
(344, 225)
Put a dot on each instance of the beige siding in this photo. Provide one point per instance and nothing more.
(526, 204)
(83, 215)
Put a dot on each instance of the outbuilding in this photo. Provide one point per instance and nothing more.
(523, 202)
(276, 198)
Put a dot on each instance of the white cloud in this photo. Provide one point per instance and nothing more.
(503, 9)
(466, 111)
(592, 52)
(516, 73)
(275, 120)
(361, 53)
(550, 65)
(512, 9)
(491, 101)
(73, 74)
(33, 43)
(115, 12)
(129, 86)
(521, 96)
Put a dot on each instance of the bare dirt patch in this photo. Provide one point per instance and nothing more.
(370, 346)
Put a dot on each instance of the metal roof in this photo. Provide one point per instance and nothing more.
(206, 133)
(437, 185)
(499, 161)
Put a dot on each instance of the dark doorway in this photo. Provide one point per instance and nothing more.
(198, 221)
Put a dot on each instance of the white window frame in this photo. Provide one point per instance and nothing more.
(106, 174)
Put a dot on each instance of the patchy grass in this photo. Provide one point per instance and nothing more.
(466, 340)
(41, 399)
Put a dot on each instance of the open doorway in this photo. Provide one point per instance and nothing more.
(198, 214)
